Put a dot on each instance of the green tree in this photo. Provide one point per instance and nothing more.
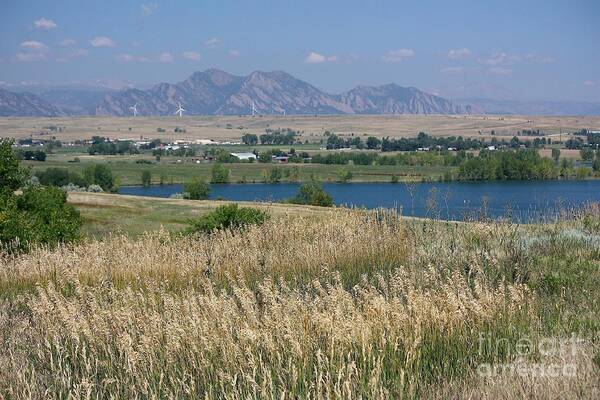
(312, 193)
(555, 155)
(12, 175)
(40, 215)
(373, 142)
(101, 175)
(586, 154)
(60, 177)
(250, 139)
(272, 175)
(219, 174)
(146, 177)
(196, 189)
(265, 157)
(344, 175)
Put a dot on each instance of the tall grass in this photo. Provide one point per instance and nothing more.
(354, 305)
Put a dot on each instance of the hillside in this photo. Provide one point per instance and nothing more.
(26, 105)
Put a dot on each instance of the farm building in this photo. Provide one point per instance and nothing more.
(244, 156)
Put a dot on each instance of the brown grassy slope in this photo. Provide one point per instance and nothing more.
(109, 214)
(215, 127)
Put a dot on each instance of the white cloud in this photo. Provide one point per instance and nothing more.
(316, 58)
(165, 57)
(453, 70)
(67, 42)
(234, 53)
(131, 58)
(589, 83)
(212, 42)
(44, 23)
(501, 58)
(539, 59)
(398, 55)
(149, 9)
(28, 57)
(32, 51)
(501, 71)
(455, 54)
(34, 45)
(102, 41)
(191, 55)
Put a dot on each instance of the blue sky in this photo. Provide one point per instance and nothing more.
(503, 49)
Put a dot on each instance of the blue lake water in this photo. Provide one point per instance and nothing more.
(519, 200)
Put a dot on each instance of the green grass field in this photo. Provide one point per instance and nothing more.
(110, 214)
(128, 172)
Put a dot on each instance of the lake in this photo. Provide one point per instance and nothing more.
(519, 200)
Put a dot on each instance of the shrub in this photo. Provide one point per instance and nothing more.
(94, 189)
(196, 189)
(39, 216)
(228, 216)
(60, 177)
(219, 174)
(146, 177)
(344, 175)
(101, 175)
(312, 194)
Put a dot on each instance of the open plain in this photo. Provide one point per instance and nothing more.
(312, 128)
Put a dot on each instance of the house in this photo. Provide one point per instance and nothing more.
(281, 159)
(244, 156)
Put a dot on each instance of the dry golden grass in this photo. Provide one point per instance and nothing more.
(345, 305)
(215, 127)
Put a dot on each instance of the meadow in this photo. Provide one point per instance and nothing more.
(181, 169)
(312, 128)
(331, 304)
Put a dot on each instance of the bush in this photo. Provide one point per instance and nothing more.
(94, 189)
(196, 189)
(219, 174)
(60, 177)
(312, 194)
(146, 177)
(228, 216)
(101, 175)
(39, 216)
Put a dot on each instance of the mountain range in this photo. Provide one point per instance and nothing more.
(215, 92)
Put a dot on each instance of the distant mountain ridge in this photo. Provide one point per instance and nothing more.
(26, 105)
(215, 92)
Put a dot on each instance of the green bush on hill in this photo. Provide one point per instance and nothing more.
(39, 215)
(228, 216)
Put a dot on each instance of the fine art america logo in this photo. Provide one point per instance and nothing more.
(552, 357)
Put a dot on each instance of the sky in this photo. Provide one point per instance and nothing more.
(516, 50)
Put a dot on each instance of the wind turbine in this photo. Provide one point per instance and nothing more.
(180, 110)
(283, 112)
(253, 109)
(134, 109)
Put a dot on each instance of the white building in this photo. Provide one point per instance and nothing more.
(244, 156)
